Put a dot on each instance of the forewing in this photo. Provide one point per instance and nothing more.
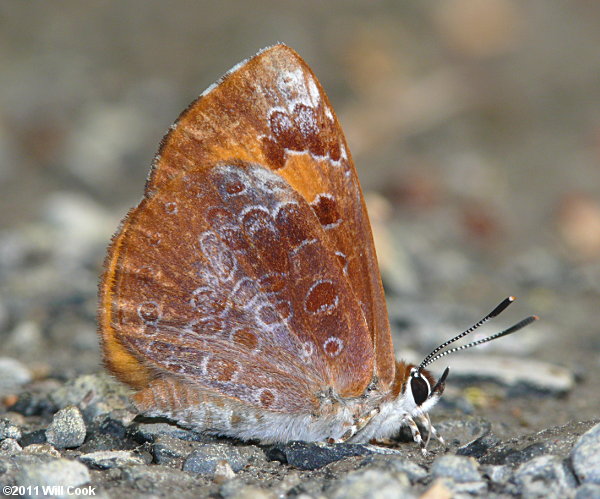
(271, 110)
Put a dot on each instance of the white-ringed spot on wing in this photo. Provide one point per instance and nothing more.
(171, 208)
(154, 239)
(230, 181)
(321, 297)
(307, 348)
(333, 346)
(150, 312)
(326, 209)
(265, 397)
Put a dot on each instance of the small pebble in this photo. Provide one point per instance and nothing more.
(13, 374)
(588, 491)
(585, 456)
(9, 430)
(9, 446)
(372, 484)
(104, 460)
(458, 468)
(223, 472)
(497, 473)
(234, 489)
(545, 475)
(41, 450)
(67, 429)
(414, 471)
(53, 472)
(205, 458)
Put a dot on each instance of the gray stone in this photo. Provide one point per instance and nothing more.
(53, 472)
(94, 394)
(10, 446)
(315, 455)
(414, 471)
(588, 491)
(150, 432)
(545, 476)
(9, 430)
(104, 460)
(585, 456)
(167, 449)
(238, 490)
(372, 484)
(457, 468)
(497, 473)
(157, 480)
(41, 450)
(67, 429)
(479, 488)
(13, 374)
(204, 459)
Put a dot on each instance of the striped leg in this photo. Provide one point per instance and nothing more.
(359, 424)
(426, 421)
(416, 434)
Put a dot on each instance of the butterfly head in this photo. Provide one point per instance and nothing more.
(421, 390)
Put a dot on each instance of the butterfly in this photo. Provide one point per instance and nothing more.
(242, 296)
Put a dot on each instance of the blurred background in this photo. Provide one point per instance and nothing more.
(474, 125)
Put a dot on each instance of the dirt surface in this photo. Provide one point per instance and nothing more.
(474, 126)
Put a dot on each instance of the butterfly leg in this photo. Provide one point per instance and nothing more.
(359, 424)
(416, 434)
(426, 421)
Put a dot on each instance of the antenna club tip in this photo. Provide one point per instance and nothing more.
(535, 317)
(511, 298)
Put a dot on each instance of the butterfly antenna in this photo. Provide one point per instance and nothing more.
(499, 309)
(506, 332)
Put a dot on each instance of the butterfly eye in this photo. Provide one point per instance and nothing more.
(419, 388)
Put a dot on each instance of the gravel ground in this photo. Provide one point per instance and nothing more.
(475, 127)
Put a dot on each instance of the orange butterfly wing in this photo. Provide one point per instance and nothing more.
(269, 111)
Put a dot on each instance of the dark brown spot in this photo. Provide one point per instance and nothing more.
(285, 132)
(246, 338)
(322, 297)
(335, 151)
(326, 210)
(221, 369)
(274, 153)
(235, 419)
(309, 126)
(266, 398)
